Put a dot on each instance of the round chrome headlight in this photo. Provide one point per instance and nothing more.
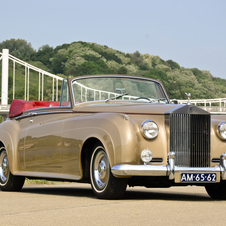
(146, 155)
(221, 130)
(149, 129)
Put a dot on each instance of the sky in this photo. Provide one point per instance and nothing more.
(189, 32)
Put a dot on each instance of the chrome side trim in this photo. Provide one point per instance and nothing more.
(43, 175)
(31, 114)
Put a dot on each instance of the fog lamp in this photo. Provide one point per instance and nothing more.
(146, 155)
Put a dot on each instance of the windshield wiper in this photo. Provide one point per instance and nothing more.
(116, 97)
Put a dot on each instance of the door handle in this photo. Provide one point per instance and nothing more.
(32, 114)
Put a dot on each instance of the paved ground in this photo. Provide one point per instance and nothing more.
(75, 204)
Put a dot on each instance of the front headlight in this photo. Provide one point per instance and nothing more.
(149, 129)
(221, 130)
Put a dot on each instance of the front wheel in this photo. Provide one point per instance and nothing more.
(8, 182)
(104, 184)
(217, 191)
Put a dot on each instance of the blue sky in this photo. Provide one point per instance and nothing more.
(190, 32)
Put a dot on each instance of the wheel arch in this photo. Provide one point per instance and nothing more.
(6, 142)
(87, 150)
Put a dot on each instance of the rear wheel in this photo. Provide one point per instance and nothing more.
(104, 184)
(217, 191)
(8, 182)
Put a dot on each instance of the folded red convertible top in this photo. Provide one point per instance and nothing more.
(18, 106)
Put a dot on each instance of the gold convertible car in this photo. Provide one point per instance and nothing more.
(113, 131)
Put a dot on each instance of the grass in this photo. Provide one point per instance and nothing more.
(35, 181)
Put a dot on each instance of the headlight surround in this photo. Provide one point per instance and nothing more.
(221, 130)
(149, 129)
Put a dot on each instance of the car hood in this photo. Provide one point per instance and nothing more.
(125, 107)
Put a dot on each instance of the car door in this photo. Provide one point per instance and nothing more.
(42, 147)
(23, 124)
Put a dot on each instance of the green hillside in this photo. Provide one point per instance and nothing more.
(82, 58)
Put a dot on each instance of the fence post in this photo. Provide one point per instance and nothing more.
(5, 77)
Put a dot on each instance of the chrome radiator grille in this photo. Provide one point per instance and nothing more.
(190, 139)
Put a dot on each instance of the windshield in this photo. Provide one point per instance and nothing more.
(112, 88)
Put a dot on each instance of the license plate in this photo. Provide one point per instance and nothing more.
(198, 177)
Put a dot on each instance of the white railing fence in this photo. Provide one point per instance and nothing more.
(5, 57)
(221, 102)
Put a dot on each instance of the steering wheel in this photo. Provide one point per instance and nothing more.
(144, 98)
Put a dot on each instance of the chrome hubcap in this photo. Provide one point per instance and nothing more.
(4, 167)
(101, 170)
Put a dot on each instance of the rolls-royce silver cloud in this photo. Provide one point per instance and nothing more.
(113, 131)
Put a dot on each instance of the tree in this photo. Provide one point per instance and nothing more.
(173, 65)
(198, 74)
(122, 71)
(91, 68)
(58, 63)
(138, 60)
(44, 54)
(18, 47)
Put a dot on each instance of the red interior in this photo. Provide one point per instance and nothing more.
(18, 106)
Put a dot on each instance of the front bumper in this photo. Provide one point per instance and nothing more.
(170, 170)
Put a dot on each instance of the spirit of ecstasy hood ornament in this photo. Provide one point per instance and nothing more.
(188, 95)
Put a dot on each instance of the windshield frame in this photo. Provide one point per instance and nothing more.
(157, 82)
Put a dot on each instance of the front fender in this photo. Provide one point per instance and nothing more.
(118, 137)
(116, 133)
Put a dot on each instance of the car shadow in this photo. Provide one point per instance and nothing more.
(129, 194)
(60, 191)
(170, 196)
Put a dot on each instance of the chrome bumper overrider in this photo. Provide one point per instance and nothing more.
(169, 170)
